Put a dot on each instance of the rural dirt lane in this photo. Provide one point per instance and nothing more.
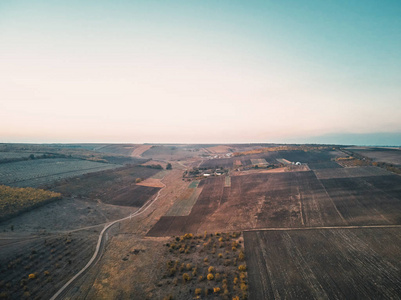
(100, 247)
(322, 227)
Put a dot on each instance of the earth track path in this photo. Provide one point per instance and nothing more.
(101, 245)
(322, 227)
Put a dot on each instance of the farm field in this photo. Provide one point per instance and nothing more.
(117, 187)
(309, 156)
(350, 172)
(391, 156)
(35, 173)
(171, 152)
(17, 200)
(324, 165)
(324, 264)
(37, 268)
(183, 205)
(7, 155)
(290, 199)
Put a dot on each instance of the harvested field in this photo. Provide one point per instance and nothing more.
(35, 173)
(324, 264)
(350, 172)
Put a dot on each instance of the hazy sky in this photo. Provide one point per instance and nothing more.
(198, 71)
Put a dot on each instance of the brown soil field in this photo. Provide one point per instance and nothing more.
(324, 165)
(350, 172)
(324, 264)
(152, 182)
(116, 187)
(137, 152)
(367, 200)
(390, 156)
(135, 195)
(288, 199)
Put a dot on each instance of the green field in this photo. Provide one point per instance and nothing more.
(194, 184)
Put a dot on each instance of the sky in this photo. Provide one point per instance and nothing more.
(199, 71)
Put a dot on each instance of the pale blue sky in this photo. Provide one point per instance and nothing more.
(198, 71)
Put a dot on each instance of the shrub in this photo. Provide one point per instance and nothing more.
(47, 273)
(210, 276)
(242, 268)
(186, 277)
(32, 276)
(241, 256)
(216, 290)
(211, 269)
(198, 291)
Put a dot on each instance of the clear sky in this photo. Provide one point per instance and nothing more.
(198, 71)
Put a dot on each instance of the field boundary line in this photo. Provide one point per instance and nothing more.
(322, 227)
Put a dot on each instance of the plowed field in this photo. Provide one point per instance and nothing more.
(324, 264)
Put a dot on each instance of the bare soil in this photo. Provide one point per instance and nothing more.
(324, 264)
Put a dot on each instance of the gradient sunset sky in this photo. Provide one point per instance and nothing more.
(198, 71)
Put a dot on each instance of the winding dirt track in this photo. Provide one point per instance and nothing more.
(100, 247)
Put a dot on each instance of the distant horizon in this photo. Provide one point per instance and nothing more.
(367, 140)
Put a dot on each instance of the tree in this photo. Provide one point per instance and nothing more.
(169, 167)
